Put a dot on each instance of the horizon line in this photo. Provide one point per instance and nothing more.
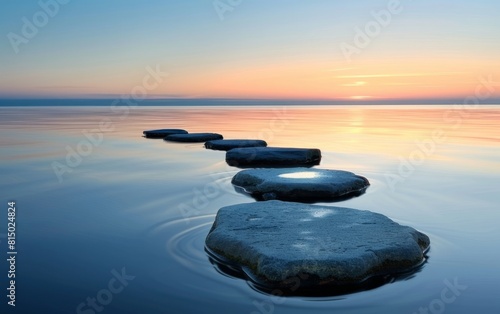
(240, 101)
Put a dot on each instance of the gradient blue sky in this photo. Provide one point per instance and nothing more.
(261, 49)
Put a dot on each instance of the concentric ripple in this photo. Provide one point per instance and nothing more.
(183, 240)
(180, 260)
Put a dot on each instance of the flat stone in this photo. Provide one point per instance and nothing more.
(300, 184)
(193, 137)
(273, 157)
(163, 133)
(298, 246)
(230, 144)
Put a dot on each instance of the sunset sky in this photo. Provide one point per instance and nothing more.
(251, 49)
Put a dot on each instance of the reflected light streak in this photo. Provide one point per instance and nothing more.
(400, 75)
(322, 213)
(300, 175)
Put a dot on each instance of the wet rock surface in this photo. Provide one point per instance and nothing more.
(273, 157)
(193, 137)
(300, 184)
(295, 246)
(230, 144)
(162, 133)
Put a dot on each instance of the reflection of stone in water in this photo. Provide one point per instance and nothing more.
(292, 286)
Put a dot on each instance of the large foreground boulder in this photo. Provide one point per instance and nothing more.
(193, 137)
(300, 184)
(294, 246)
(230, 144)
(162, 133)
(273, 157)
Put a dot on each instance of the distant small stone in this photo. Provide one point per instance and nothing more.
(193, 137)
(163, 133)
(300, 184)
(230, 144)
(294, 246)
(273, 157)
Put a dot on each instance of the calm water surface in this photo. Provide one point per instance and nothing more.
(145, 206)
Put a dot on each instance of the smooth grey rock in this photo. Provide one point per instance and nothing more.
(162, 133)
(193, 137)
(300, 184)
(230, 144)
(280, 244)
(273, 157)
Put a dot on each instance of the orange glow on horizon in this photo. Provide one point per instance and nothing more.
(300, 79)
(316, 80)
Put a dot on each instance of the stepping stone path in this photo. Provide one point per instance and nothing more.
(300, 184)
(163, 133)
(277, 242)
(273, 157)
(298, 248)
(193, 137)
(230, 144)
